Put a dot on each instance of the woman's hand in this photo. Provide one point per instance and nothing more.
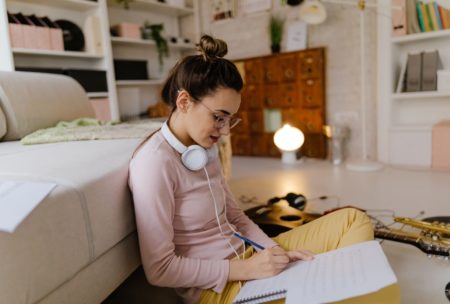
(266, 263)
(296, 255)
(263, 264)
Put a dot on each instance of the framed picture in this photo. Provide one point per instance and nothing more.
(296, 36)
(222, 9)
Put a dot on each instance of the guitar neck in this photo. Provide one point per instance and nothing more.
(425, 244)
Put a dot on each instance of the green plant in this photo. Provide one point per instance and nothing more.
(161, 43)
(276, 30)
(126, 3)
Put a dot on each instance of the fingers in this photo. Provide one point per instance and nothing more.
(301, 255)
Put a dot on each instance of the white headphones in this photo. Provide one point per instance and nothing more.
(194, 157)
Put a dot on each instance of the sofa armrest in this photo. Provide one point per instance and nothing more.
(32, 101)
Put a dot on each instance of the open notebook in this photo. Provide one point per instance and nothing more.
(332, 276)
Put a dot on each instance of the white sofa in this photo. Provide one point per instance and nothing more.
(80, 243)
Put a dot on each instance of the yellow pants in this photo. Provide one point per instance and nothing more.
(336, 230)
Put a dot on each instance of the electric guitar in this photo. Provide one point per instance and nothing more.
(432, 238)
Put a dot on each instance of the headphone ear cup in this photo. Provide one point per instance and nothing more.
(297, 201)
(194, 158)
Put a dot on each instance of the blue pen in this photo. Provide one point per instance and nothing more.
(248, 241)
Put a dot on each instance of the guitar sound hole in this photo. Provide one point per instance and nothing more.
(290, 218)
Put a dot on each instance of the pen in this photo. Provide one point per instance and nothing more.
(248, 241)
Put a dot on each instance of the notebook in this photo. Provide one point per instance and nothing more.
(332, 276)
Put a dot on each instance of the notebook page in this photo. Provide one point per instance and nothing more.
(348, 272)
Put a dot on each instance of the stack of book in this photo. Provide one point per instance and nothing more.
(419, 72)
(415, 16)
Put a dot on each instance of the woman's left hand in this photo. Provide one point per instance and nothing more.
(296, 255)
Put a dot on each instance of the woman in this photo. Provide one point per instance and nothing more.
(186, 215)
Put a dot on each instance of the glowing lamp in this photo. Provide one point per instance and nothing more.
(288, 139)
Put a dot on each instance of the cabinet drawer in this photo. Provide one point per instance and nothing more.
(253, 71)
(311, 93)
(311, 64)
(311, 121)
(258, 145)
(281, 95)
(252, 97)
(280, 69)
(314, 146)
(271, 149)
(243, 126)
(240, 144)
(256, 121)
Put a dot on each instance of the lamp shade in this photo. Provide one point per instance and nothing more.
(312, 12)
(288, 138)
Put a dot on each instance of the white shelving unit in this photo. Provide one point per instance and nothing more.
(143, 92)
(134, 94)
(405, 120)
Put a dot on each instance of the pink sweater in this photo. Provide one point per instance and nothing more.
(180, 241)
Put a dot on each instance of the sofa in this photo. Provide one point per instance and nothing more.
(79, 243)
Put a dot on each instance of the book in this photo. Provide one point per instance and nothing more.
(430, 66)
(401, 84)
(429, 14)
(437, 15)
(443, 15)
(331, 276)
(420, 17)
(412, 20)
(414, 72)
(426, 19)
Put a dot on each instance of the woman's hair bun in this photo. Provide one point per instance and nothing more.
(211, 48)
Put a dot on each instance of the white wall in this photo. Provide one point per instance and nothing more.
(247, 36)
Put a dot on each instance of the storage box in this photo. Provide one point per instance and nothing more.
(130, 69)
(101, 108)
(440, 158)
(443, 80)
(90, 80)
(128, 30)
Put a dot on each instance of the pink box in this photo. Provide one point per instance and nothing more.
(128, 30)
(440, 143)
(56, 39)
(16, 35)
(101, 108)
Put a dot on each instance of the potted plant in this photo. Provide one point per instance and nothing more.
(126, 3)
(276, 33)
(153, 31)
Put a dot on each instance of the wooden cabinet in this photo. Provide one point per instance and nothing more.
(291, 86)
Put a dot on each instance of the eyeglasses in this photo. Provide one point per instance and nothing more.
(221, 120)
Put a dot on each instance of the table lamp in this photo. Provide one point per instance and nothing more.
(288, 139)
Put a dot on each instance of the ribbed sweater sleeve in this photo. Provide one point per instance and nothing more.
(153, 182)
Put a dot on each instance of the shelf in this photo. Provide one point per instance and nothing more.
(97, 94)
(50, 53)
(418, 95)
(133, 41)
(421, 36)
(81, 5)
(139, 82)
(156, 7)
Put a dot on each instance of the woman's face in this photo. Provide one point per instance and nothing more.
(210, 117)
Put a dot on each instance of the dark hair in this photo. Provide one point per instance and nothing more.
(201, 75)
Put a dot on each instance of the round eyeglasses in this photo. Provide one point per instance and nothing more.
(221, 121)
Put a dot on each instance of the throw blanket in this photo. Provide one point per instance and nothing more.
(89, 128)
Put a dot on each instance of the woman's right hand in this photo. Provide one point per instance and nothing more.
(263, 264)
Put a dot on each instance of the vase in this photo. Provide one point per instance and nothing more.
(275, 48)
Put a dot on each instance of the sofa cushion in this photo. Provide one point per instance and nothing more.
(88, 213)
(32, 101)
(2, 124)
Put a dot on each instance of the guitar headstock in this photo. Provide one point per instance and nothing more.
(427, 244)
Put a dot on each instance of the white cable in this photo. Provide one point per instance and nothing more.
(217, 216)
